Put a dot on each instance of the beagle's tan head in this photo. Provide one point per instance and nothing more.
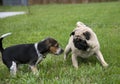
(50, 45)
(54, 46)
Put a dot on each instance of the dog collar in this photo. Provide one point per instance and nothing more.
(36, 48)
(40, 56)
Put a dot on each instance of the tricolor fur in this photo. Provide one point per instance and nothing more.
(30, 54)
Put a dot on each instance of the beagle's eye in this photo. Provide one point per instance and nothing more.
(56, 45)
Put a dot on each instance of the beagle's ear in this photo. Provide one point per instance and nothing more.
(87, 35)
(50, 41)
(42, 47)
(73, 33)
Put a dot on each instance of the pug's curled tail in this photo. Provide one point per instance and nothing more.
(80, 24)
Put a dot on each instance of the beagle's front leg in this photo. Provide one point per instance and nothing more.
(34, 69)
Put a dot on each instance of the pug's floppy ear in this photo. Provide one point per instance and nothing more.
(72, 33)
(87, 35)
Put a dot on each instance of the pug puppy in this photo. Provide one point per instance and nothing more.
(83, 42)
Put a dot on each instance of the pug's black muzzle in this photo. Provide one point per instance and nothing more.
(80, 44)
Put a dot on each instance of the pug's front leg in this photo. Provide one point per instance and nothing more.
(74, 61)
(101, 59)
(66, 52)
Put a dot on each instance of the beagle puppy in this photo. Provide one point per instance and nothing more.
(31, 54)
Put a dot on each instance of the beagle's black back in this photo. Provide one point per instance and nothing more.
(24, 53)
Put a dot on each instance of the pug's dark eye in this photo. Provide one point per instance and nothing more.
(87, 35)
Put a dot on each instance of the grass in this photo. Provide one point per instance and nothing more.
(58, 21)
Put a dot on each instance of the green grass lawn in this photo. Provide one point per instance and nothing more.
(58, 21)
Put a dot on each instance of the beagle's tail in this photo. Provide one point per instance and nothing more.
(1, 38)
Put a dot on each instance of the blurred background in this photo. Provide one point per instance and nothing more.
(33, 2)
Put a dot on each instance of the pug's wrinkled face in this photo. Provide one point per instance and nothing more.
(79, 40)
